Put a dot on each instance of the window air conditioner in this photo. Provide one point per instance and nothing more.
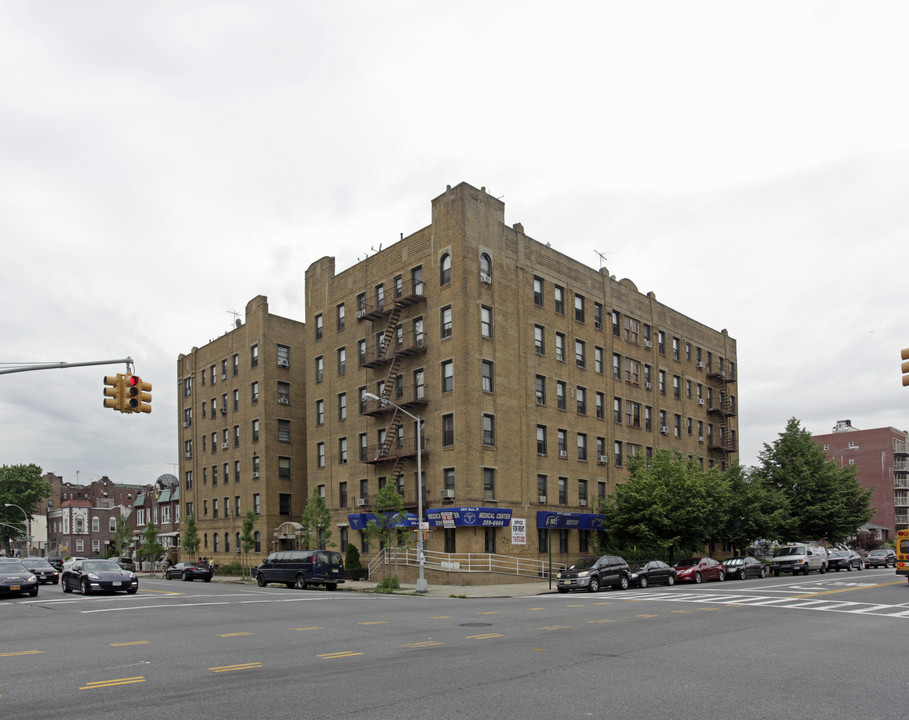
(649, 386)
(284, 400)
(563, 453)
(361, 502)
(188, 455)
(701, 365)
(602, 459)
(446, 494)
(484, 278)
(700, 438)
(185, 423)
(360, 314)
(224, 376)
(224, 411)
(224, 446)
(542, 498)
(664, 429)
(283, 363)
(582, 503)
(255, 475)
(648, 344)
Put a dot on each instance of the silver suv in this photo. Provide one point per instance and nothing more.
(799, 558)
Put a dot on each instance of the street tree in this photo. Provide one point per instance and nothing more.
(150, 547)
(247, 538)
(121, 540)
(756, 509)
(389, 527)
(20, 485)
(190, 536)
(316, 522)
(666, 505)
(825, 500)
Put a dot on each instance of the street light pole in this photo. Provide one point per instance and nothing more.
(422, 586)
(28, 528)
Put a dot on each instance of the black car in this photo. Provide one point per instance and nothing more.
(127, 563)
(189, 571)
(56, 561)
(90, 575)
(741, 568)
(16, 579)
(651, 572)
(885, 557)
(592, 573)
(844, 560)
(44, 571)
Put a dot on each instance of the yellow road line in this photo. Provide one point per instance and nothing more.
(133, 642)
(841, 590)
(373, 622)
(555, 627)
(22, 652)
(231, 668)
(484, 637)
(490, 612)
(112, 683)
(428, 643)
(445, 617)
(601, 621)
(236, 634)
(336, 655)
(314, 627)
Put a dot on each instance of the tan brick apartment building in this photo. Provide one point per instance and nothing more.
(241, 401)
(880, 457)
(536, 378)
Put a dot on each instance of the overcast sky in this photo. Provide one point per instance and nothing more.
(163, 163)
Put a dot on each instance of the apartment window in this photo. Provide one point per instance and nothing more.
(633, 414)
(560, 347)
(582, 446)
(446, 322)
(598, 360)
(488, 376)
(559, 300)
(363, 446)
(541, 390)
(580, 353)
(582, 492)
(342, 451)
(598, 316)
(236, 400)
(255, 431)
(563, 491)
(361, 352)
(342, 406)
(601, 449)
(631, 330)
(284, 468)
(617, 452)
(543, 539)
(600, 406)
(538, 291)
(447, 430)
(541, 439)
(342, 361)
(486, 322)
(255, 466)
(562, 442)
(214, 375)
(203, 377)
(236, 365)
(445, 269)
(662, 380)
(616, 323)
(341, 317)
(676, 387)
(489, 484)
(676, 349)
(617, 410)
(416, 280)
(319, 326)
(284, 393)
(284, 504)
(485, 267)
(214, 508)
(661, 342)
(579, 308)
(632, 371)
(541, 487)
(380, 295)
(254, 388)
(448, 376)
(561, 395)
(489, 430)
(539, 339)
(677, 425)
(236, 471)
(448, 478)
(284, 431)
(187, 387)
(342, 496)
(581, 397)
(320, 454)
(320, 412)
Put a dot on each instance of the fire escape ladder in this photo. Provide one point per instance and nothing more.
(391, 434)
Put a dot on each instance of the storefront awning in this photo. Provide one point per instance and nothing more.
(469, 517)
(568, 520)
(358, 521)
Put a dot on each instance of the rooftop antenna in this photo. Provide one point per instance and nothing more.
(602, 259)
(237, 321)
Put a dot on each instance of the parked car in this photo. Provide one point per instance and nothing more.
(845, 560)
(127, 563)
(87, 576)
(698, 569)
(883, 557)
(189, 571)
(300, 568)
(43, 570)
(16, 579)
(740, 568)
(799, 558)
(651, 572)
(593, 572)
(56, 561)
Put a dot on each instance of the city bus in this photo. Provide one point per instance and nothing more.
(902, 552)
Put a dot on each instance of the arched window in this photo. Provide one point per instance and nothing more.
(445, 270)
(485, 267)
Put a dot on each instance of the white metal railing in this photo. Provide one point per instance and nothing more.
(465, 562)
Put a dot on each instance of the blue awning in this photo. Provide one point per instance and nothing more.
(358, 521)
(568, 520)
(469, 516)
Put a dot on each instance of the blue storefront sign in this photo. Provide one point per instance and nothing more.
(469, 517)
(569, 520)
(358, 521)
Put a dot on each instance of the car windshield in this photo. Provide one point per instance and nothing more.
(878, 552)
(733, 561)
(12, 567)
(839, 553)
(687, 562)
(43, 564)
(793, 550)
(584, 563)
(101, 566)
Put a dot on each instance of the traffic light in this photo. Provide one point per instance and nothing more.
(138, 395)
(114, 396)
(904, 354)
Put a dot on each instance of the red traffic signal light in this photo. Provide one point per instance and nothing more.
(114, 395)
(138, 395)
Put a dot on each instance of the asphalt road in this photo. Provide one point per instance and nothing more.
(828, 646)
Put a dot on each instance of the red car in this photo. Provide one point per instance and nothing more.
(699, 569)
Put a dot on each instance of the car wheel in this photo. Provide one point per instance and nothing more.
(721, 576)
(301, 582)
(594, 585)
(66, 588)
(697, 578)
(86, 587)
(822, 569)
(623, 582)
(860, 566)
(260, 580)
(33, 593)
(562, 590)
(763, 573)
(848, 568)
(184, 577)
(642, 581)
(670, 580)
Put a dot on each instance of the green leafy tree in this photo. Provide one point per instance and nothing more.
(668, 505)
(190, 536)
(389, 527)
(825, 500)
(247, 538)
(20, 485)
(150, 547)
(756, 509)
(121, 540)
(316, 522)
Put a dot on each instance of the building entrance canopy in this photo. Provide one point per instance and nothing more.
(569, 520)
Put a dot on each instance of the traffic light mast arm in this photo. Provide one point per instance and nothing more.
(59, 366)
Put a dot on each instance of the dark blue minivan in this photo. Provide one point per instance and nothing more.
(299, 568)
